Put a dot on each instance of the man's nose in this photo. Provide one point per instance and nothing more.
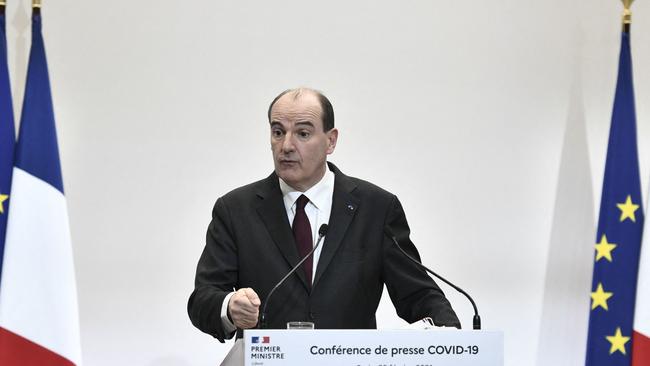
(287, 143)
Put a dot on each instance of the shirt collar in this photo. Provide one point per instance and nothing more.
(317, 194)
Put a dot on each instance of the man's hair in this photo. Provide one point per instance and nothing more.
(325, 105)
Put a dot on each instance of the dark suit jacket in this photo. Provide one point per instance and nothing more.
(250, 244)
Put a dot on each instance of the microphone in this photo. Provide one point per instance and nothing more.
(322, 231)
(477, 319)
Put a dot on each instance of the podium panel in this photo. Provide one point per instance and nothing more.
(373, 347)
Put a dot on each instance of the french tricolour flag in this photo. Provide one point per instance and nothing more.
(39, 322)
(261, 340)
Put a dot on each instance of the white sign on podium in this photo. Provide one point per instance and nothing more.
(373, 347)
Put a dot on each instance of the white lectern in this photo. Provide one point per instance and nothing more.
(368, 347)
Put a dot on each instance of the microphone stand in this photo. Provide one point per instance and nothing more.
(476, 321)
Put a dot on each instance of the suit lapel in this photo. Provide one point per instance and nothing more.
(344, 207)
(271, 210)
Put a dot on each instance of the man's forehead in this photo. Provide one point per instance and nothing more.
(297, 105)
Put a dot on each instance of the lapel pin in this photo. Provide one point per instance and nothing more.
(350, 208)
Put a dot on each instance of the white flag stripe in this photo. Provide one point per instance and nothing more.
(39, 294)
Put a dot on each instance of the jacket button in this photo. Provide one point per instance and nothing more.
(312, 315)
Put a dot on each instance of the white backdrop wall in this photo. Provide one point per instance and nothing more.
(460, 108)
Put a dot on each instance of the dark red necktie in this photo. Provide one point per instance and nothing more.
(302, 234)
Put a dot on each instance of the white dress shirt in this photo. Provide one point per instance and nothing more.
(318, 211)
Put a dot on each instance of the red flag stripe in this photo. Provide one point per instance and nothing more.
(16, 350)
(640, 349)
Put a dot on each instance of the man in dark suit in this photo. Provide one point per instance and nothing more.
(260, 231)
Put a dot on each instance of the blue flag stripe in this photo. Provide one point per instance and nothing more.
(7, 138)
(620, 223)
(37, 151)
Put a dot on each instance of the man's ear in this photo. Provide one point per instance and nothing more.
(332, 137)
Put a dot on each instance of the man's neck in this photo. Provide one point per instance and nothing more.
(306, 187)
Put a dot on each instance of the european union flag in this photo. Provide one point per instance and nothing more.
(620, 226)
(7, 135)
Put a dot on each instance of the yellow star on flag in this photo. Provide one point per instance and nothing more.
(3, 198)
(617, 341)
(604, 249)
(600, 297)
(627, 209)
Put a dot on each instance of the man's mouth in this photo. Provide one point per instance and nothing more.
(288, 162)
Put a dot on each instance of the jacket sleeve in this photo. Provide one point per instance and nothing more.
(414, 294)
(216, 274)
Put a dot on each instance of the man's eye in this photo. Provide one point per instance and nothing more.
(304, 134)
(276, 133)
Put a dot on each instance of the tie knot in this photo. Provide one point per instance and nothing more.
(302, 202)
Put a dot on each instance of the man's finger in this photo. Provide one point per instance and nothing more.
(244, 312)
(245, 321)
(245, 305)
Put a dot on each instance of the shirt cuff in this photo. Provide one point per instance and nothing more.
(228, 326)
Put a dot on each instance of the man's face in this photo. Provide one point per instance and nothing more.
(300, 147)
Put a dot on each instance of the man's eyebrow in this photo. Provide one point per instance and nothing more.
(298, 124)
(304, 123)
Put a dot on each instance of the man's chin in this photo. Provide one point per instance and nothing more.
(289, 176)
